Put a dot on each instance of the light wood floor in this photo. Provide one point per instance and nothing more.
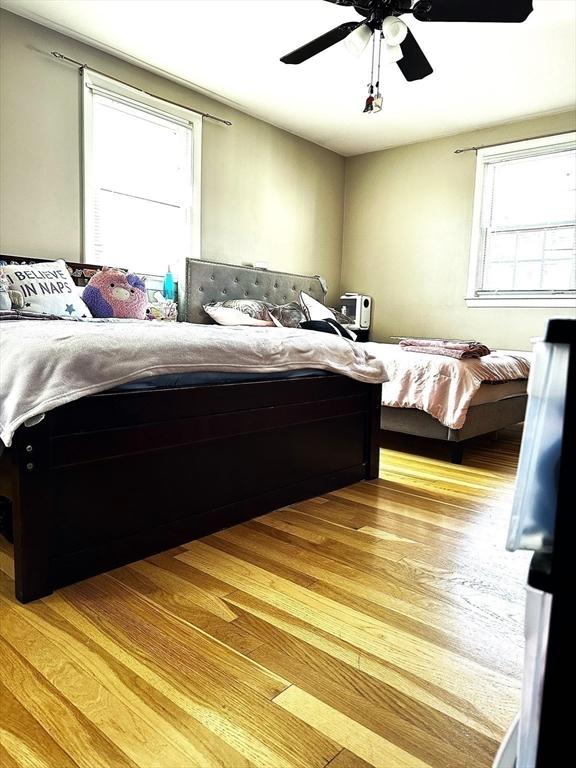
(377, 626)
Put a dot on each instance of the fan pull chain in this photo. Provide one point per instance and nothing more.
(377, 105)
(374, 104)
(370, 100)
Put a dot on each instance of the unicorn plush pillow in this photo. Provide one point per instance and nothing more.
(115, 293)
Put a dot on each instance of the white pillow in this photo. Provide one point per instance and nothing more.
(47, 288)
(230, 316)
(313, 309)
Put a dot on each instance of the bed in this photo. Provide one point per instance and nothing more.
(454, 401)
(123, 474)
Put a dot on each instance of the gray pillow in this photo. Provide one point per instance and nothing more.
(257, 312)
(239, 312)
(252, 307)
(288, 315)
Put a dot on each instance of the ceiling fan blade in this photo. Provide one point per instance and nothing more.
(511, 11)
(321, 43)
(414, 65)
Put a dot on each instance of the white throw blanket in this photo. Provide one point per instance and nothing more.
(46, 364)
(442, 386)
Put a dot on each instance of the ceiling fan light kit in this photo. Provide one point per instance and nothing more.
(393, 53)
(357, 40)
(401, 45)
(394, 30)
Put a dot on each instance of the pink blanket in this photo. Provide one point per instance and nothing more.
(461, 350)
(443, 386)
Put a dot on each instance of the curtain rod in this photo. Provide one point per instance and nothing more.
(514, 141)
(82, 66)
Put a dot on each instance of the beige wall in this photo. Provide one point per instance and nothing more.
(407, 225)
(266, 194)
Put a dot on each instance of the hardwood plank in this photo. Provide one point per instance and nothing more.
(223, 680)
(6, 759)
(384, 709)
(483, 642)
(189, 648)
(376, 625)
(461, 707)
(178, 595)
(366, 574)
(20, 734)
(136, 729)
(208, 722)
(6, 558)
(440, 666)
(472, 556)
(120, 671)
(283, 569)
(188, 573)
(355, 737)
(358, 512)
(347, 759)
(370, 594)
(317, 531)
(183, 600)
(60, 719)
(410, 507)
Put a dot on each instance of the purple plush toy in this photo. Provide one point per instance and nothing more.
(114, 293)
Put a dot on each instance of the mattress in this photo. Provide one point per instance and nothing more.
(208, 378)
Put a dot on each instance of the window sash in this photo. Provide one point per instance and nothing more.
(97, 86)
(483, 230)
(484, 262)
(176, 191)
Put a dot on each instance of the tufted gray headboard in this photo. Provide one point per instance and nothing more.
(212, 281)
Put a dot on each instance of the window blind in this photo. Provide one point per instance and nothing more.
(528, 224)
(141, 185)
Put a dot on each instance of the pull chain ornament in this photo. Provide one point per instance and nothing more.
(377, 105)
(374, 104)
(370, 100)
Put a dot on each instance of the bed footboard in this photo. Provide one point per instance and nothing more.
(119, 476)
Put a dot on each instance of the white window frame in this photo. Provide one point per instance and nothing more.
(96, 83)
(507, 299)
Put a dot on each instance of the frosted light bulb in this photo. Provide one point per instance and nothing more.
(394, 30)
(393, 53)
(357, 40)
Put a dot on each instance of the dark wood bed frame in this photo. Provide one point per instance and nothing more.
(121, 475)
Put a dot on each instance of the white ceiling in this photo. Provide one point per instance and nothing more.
(484, 73)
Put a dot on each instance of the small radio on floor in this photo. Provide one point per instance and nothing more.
(358, 307)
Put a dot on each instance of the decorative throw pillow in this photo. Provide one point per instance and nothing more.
(239, 312)
(315, 310)
(328, 326)
(47, 288)
(287, 315)
(115, 293)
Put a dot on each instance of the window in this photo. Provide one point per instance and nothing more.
(524, 238)
(141, 179)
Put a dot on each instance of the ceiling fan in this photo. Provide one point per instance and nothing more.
(402, 47)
